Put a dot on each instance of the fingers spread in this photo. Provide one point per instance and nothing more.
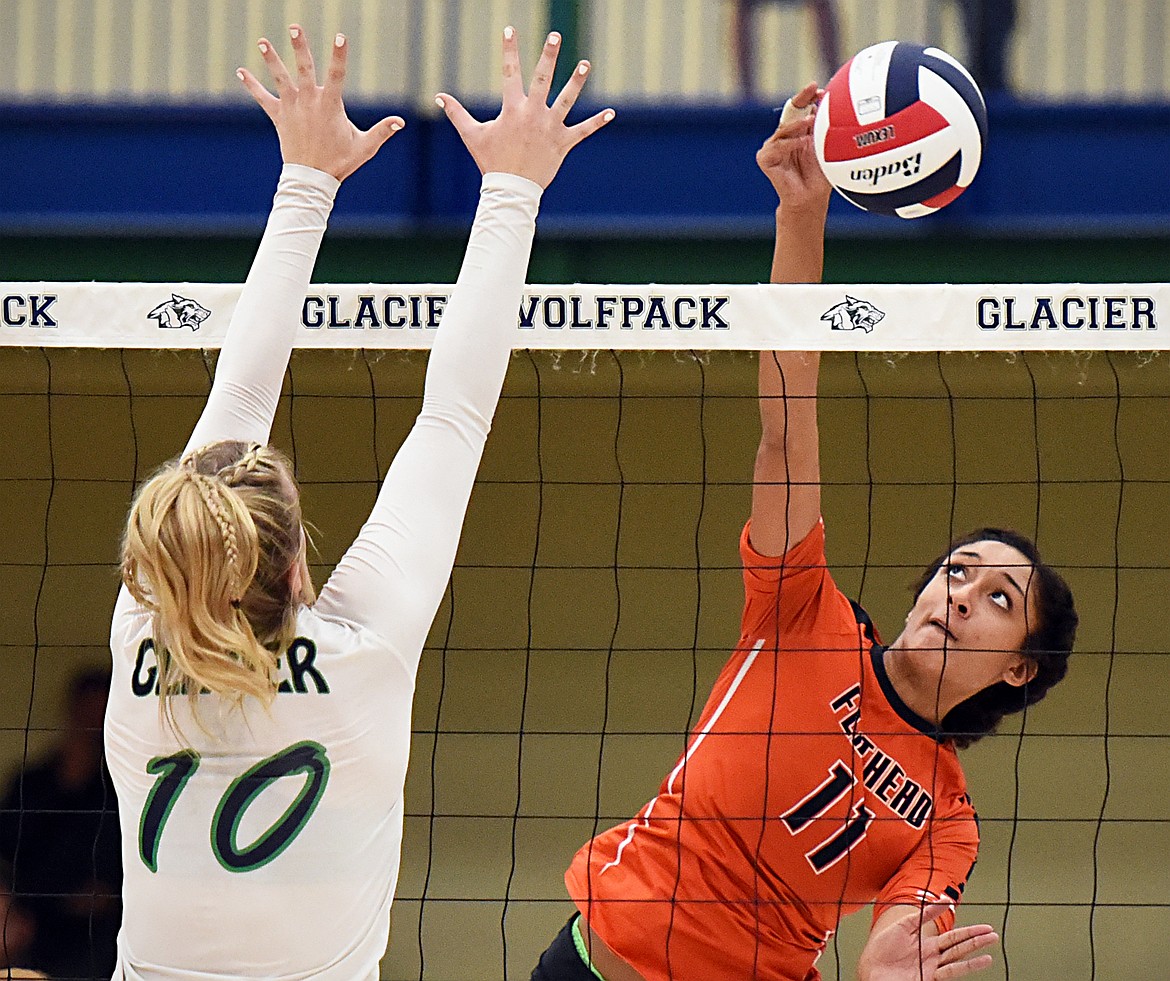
(513, 75)
(966, 947)
(371, 140)
(280, 75)
(589, 126)
(335, 80)
(385, 128)
(963, 968)
(542, 77)
(568, 97)
(461, 119)
(306, 73)
(960, 934)
(266, 100)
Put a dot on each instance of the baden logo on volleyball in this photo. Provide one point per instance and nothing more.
(179, 312)
(853, 314)
(898, 169)
(901, 129)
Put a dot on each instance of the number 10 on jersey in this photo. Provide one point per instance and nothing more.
(173, 772)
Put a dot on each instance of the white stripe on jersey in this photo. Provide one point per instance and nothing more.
(739, 676)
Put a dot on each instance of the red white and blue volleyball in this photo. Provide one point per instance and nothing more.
(901, 129)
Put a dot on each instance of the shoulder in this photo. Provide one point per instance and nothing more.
(128, 620)
(809, 552)
(802, 569)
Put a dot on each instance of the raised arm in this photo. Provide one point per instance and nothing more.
(786, 497)
(320, 148)
(392, 578)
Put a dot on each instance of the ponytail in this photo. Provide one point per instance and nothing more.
(209, 547)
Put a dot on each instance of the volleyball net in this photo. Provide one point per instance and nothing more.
(1025, 317)
(597, 590)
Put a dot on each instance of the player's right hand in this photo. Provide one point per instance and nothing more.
(788, 158)
(900, 948)
(529, 137)
(310, 119)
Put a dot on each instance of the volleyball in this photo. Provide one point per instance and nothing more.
(901, 129)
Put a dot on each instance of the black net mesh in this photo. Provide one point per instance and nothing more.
(597, 593)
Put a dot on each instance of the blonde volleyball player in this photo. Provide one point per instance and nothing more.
(258, 736)
(822, 775)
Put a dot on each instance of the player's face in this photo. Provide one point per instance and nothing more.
(975, 615)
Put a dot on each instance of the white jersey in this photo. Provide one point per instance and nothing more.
(267, 844)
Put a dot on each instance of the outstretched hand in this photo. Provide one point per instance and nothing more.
(788, 158)
(529, 137)
(310, 119)
(901, 950)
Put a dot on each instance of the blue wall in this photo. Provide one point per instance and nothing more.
(1049, 170)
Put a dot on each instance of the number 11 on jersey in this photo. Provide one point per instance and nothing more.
(839, 782)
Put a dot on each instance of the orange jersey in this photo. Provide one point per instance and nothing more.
(807, 790)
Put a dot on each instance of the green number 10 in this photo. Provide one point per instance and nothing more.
(173, 773)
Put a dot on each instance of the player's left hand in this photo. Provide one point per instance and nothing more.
(900, 949)
(310, 119)
(529, 138)
(788, 159)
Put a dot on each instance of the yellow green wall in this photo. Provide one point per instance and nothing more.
(541, 618)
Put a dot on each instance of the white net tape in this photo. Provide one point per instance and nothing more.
(1049, 316)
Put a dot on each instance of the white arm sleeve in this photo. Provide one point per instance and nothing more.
(391, 580)
(260, 336)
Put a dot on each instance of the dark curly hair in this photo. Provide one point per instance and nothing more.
(1052, 630)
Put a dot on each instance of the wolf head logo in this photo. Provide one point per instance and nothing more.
(179, 312)
(853, 314)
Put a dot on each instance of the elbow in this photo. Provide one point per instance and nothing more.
(466, 423)
(788, 426)
(779, 441)
(773, 435)
(788, 460)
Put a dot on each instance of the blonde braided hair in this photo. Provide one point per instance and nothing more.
(237, 473)
(209, 491)
(210, 549)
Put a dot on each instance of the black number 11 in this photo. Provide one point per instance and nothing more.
(798, 817)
